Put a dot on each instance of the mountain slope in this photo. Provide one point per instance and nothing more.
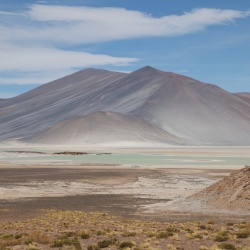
(107, 128)
(232, 192)
(244, 96)
(199, 113)
(53, 102)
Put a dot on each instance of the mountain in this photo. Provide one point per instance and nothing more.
(232, 192)
(65, 98)
(198, 113)
(244, 96)
(105, 128)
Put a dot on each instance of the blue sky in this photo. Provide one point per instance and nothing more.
(40, 41)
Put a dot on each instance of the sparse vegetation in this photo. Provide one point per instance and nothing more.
(221, 238)
(126, 244)
(228, 246)
(84, 235)
(96, 231)
(165, 234)
(105, 243)
(243, 234)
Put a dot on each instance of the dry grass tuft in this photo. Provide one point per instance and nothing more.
(94, 231)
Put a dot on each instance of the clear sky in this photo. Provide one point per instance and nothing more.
(41, 41)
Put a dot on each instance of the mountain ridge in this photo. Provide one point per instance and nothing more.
(245, 96)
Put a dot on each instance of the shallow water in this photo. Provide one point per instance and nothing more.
(123, 158)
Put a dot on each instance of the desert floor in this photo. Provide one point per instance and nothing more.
(146, 191)
(129, 199)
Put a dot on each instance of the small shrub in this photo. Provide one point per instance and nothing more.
(63, 240)
(171, 247)
(9, 242)
(6, 236)
(188, 230)
(198, 236)
(211, 222)
(57, 243)
(125, 244)
(203, 227)
(27, 242)
(248, 227)
(151, 234)
(221, 238)
(242, 235)
(104, 243)
(18, 236)
(203, 248)
(84, 235)
(38, 237)
(230, 224)
(176, 237)
(69, 234)
(101, 232)
(163, 235)
(226, 245)
(172, 230)
(224, 233)
(92, 247)
(129, 234)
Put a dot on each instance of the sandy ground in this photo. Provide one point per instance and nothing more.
(132, 191)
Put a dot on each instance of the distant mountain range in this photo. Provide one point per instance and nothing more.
(145, 107)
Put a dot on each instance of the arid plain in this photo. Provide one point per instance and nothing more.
(65, 201)
(125, 184)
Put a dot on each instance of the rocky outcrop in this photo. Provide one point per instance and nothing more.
(70, 153)
(26, 152)
(232, 192)
(78, 153)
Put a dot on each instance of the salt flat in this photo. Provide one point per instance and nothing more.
(138, 187)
